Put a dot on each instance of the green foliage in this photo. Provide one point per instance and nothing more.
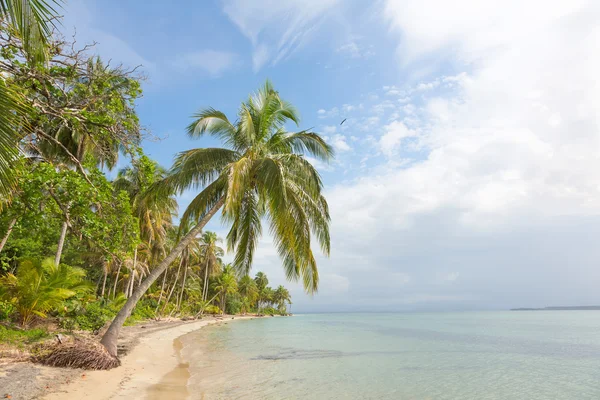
(269, 311)
(144, 310)
(6, 310)
(40, 287)
(20, 337)
(262, 175)
(212, 309)
(94, 317)
(233, 305)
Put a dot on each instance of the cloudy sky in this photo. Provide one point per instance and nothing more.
(468, 169)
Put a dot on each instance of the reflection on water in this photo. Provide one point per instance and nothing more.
(496, 355)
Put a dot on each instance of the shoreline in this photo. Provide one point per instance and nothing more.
(150, 364)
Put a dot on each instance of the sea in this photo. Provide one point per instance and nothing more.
(464, 355)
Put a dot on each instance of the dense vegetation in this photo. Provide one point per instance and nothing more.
(79, 249)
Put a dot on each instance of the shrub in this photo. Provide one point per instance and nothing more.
(233, 306)
(144, 310)
(6, 310)
(269, 311)
(40, 287)
(94, 317)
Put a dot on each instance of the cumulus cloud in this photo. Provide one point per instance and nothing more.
(392, 138)
(504, 190)
(339, 143)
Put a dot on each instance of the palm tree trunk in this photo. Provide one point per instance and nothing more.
(61, 243)
(117, 280)
(182, 286)
(205, 282)
(11, 225)
(172, 287)
(110, 338)
(162, 289)
(104, 282)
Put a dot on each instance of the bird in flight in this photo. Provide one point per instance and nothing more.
(343, 121)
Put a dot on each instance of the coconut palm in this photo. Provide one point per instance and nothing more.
(261, 175)
(248, 290)
(155, 213)
(210, 253)
(226, 284)
(261, 280)
(281, 297)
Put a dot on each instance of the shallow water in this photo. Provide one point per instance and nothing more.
(471, 355)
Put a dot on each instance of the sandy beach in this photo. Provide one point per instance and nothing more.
(151, 368)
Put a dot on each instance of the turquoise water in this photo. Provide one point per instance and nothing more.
(470, 355)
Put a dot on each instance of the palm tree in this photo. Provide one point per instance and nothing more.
(225, 285)
(265, 298)
(210, 253)
(262, 175)
(154, 213)
(248, 290)
(261, 280)
(31, 20)
(281, 296)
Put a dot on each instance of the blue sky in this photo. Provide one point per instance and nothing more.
(466, 174)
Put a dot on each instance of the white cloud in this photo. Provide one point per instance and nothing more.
(329, 129)
(506, 186)
(392, 138)
(275, 28)
(355, 50)
(211, 61)
(339, 143)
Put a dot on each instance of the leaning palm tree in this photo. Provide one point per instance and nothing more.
(261, 175)
(31, 21)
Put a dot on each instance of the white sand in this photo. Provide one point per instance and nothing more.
(151, 368)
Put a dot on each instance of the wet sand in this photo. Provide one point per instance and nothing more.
(152, 370)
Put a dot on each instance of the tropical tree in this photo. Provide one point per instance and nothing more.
(262, 175)
(155, 213)
(249, 291)
(39, 287)
(261, 280)
(210, 253)
(265, 298)
(31, 21)
(226, 284)
(282, 297)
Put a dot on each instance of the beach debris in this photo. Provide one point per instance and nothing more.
(85, 354)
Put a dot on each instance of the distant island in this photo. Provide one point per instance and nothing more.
(568, 308)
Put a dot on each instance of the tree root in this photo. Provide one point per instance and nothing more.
(85, 354)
